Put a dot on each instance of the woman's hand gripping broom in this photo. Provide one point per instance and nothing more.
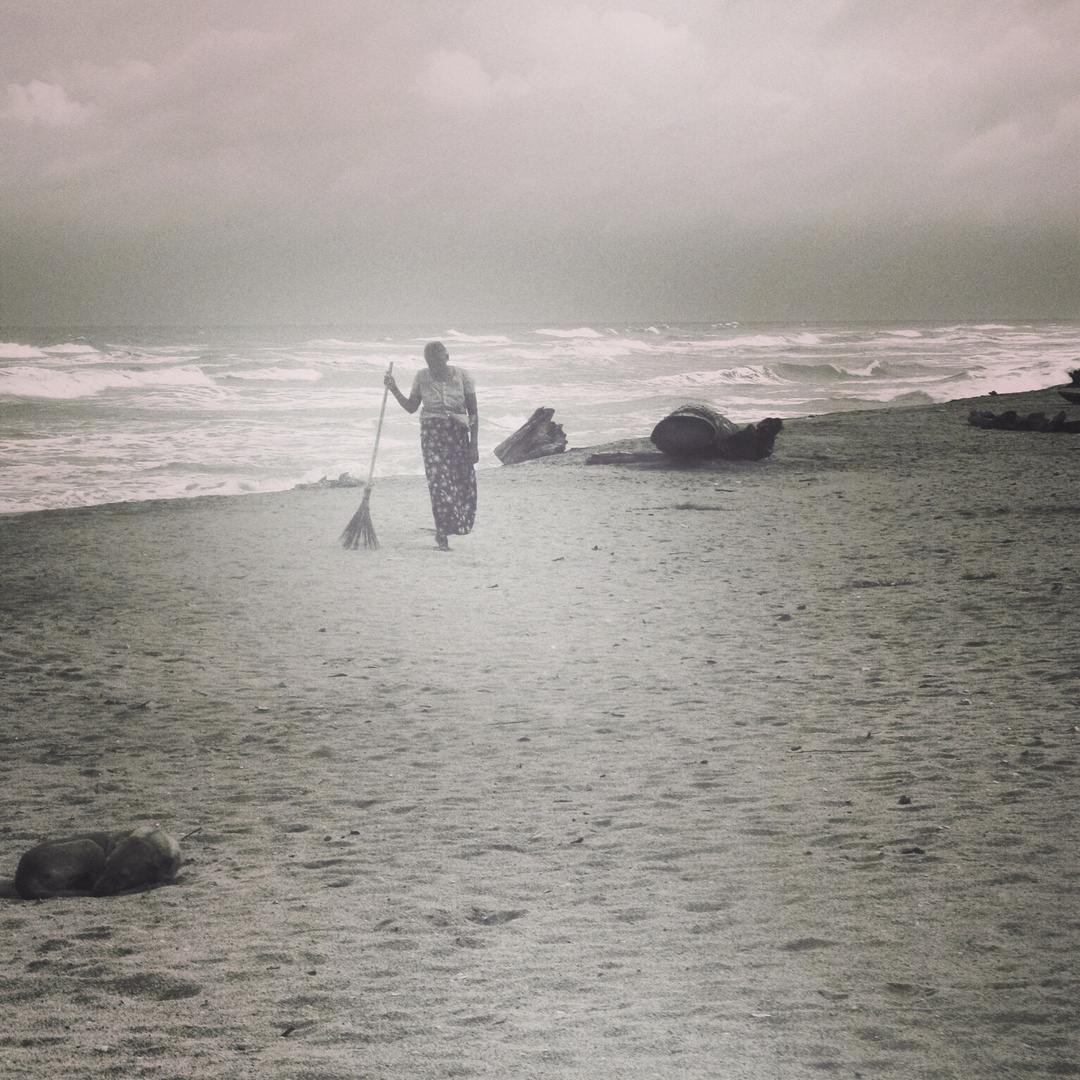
(360, 528)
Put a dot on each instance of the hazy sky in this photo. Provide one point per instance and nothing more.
(476, 161)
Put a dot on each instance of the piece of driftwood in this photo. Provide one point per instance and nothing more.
(345, 480)
(1013, 421)
(1071, 396)
(615, 457)
(751, 443)
(699, 431)
(538, 437)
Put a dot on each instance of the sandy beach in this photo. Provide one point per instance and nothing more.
(757, 770)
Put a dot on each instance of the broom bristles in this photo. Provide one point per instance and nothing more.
(360, 530)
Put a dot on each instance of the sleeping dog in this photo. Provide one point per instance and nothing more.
(98, 864)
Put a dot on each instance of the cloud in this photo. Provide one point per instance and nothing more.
(456, 80)
(611, 53)
(581, 113)
(531, 142)
(44, 104)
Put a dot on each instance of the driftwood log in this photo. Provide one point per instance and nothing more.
(624, 457)
(699, 431)
(1013, 421)
(538, 437)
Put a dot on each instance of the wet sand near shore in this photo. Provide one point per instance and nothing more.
(755, 770)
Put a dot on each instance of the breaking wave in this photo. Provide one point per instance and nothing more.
(99, 416)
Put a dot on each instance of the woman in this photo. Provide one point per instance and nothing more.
(449, 430)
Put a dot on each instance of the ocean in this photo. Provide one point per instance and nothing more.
(107, 415)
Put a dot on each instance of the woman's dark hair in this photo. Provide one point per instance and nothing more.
(432, 347)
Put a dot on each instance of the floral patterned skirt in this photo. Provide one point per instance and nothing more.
(450, 475)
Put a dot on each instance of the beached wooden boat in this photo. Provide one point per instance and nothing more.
(699, 431)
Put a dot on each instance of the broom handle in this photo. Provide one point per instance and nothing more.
(378, 430)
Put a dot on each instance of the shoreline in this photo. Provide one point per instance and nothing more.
(244, 413)
(762, 767)
(1025, 401)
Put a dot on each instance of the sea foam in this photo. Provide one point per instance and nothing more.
(97, 416)
(40, 382)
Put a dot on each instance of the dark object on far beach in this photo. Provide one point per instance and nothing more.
(1013, 421)
(699, 431)
(538, 437)
(1075, 376)
(1071, 396)
(98, 864)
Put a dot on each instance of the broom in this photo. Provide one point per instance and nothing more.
(360, 528)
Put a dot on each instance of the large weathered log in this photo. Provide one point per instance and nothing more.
(752, 443)
(538, 437)
(699, 431)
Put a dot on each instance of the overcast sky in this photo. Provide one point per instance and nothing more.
(479, 161)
